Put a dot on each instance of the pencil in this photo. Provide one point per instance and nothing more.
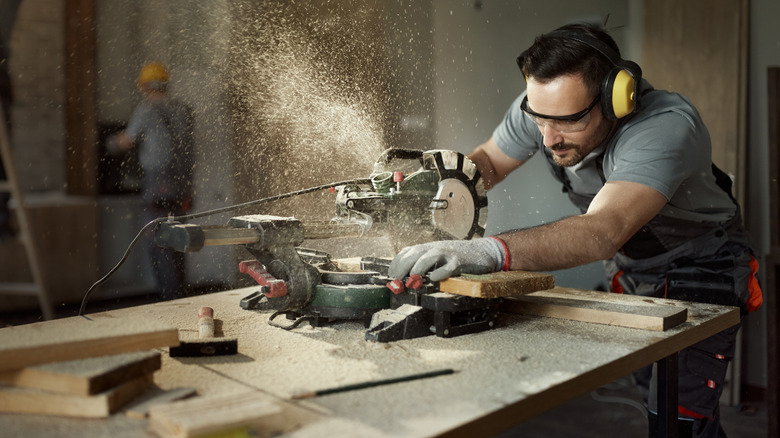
(373, 383)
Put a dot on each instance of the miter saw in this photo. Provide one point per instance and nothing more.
(438, 193)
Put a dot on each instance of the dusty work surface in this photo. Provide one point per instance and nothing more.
(523, 367)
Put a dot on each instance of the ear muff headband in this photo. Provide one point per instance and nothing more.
(620, 89)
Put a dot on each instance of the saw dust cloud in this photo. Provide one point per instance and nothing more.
(311, 102)
(307, 97)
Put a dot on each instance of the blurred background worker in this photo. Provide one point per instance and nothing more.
(162, 128)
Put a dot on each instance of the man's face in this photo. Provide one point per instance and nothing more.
(569, 141)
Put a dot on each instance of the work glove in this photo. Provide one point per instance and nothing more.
(444, 259)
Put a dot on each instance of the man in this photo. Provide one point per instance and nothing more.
(162, 128)
(637, 162)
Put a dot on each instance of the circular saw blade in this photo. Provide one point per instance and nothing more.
(459, 210)
(456, 218)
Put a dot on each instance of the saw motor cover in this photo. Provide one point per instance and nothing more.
(419, 195)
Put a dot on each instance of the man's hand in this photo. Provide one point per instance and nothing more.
(118, 143)
(449, 258)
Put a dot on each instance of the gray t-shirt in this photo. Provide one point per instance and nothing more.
(664, 146)
(164, 130)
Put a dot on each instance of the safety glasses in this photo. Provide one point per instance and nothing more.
(564, 124)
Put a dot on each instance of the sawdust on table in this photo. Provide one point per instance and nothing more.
(307, 359)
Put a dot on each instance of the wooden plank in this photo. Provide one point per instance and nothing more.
(498, 284)
(85, 376)
(251, 413)
(34, 401)
(609, 309)
(79, 338)
(140, 410)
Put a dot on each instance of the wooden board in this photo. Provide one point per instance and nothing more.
(79, 338)
(140, 408)
(498, 284)
(35, 401)
(84, 376)
(599, 307)
(252, 413)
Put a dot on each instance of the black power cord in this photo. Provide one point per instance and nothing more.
(159, 220)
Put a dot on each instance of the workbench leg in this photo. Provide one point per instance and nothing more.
(667, 387)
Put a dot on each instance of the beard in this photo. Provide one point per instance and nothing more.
(572, 158)
(576, 152)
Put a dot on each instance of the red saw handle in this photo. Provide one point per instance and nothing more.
(255, 269)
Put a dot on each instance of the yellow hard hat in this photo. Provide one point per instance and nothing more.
(153, 72)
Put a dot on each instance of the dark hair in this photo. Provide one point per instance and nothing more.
(553, 55)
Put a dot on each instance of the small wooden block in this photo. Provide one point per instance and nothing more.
(349, 264)
(610, 309)
(80, 337)
(140, 410)
(85, 376)
(34, 401)
(498, 284)
(250, 411)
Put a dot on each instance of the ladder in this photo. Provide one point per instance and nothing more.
(11, 185)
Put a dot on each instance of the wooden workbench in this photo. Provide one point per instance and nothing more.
(523, 367)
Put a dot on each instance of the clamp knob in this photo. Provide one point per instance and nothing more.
(397, 178)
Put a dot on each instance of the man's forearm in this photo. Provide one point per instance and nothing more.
(493, 164)
(563, 244)
(486, 169)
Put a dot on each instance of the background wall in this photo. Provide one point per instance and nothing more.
(36, 67)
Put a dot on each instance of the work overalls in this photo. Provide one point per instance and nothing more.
(704, 262)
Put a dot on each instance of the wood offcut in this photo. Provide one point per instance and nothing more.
(34, 401)
(140, 409)
(599, 307)
(497, 284)
(85, 376)
(244, 414)
(79, 338)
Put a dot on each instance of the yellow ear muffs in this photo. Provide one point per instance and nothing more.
(618, 98)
